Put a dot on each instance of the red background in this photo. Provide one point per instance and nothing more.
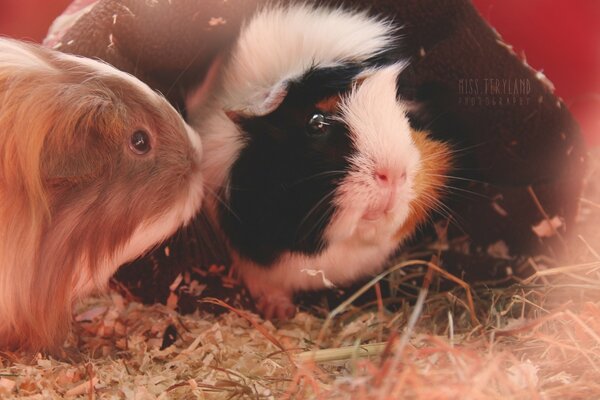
(560, 37)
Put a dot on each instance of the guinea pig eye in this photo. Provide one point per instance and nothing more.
(317, 125)
(139, 142)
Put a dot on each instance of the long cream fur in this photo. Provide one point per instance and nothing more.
(59, 239)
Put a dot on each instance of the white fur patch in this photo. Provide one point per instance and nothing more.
(378, 124)
(281, 44)
(381, 134)
(15, 55)
(342, 264)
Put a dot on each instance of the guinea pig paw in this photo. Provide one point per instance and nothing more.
(276, 306)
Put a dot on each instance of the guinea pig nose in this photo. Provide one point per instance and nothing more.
(382, 177)
(385, 178)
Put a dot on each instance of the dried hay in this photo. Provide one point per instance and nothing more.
(539, 338)
(531, 344)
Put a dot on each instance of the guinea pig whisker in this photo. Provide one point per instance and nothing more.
(437, 204)
(316, 206)
(317, 225)
(227, 187)
(138, 57)
(208, 244)
(450, 178)
(458, 178)
(449, 188)
(310, 213)
(442, 209)
(182, 72)
(429, 213)
(222, 202)
(454, 151)
(318, 175)
(433, 120)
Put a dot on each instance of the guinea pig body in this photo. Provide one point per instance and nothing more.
(95, 169)
(317, 171)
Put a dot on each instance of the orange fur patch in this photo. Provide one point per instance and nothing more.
(436, 162)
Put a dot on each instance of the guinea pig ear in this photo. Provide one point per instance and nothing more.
(262, 103)
(76, 152)
(61, 169)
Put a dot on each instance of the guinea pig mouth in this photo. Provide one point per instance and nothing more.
(375, 213)
(383, 207)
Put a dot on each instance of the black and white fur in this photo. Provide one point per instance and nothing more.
(292, 201)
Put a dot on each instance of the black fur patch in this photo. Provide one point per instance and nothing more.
(283, 183)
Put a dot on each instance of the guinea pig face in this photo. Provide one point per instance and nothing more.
(331, 162)
(95, 169)
(128, 166)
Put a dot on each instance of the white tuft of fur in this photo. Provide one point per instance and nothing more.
(378, 124)
(17, 57)
(382, 136)
(281, 44)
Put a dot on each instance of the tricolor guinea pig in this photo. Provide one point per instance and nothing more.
(95, 168)
(313, 163)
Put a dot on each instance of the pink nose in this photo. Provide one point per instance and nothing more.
(384, 178)
(381, 178)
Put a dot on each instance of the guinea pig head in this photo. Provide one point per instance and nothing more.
(95, 169)
(323, 153)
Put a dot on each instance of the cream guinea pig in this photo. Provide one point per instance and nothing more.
(313, 163)
(95, 169)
